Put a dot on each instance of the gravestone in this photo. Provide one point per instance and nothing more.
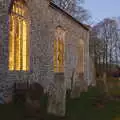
(57, 96)
(34, 103)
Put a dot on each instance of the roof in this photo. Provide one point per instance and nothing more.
(88, 26)
(53, 5)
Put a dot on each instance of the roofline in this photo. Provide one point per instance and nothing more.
(57, 7)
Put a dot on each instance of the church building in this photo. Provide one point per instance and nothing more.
(40, 42)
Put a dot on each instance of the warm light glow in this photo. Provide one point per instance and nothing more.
(22, 12)
(17, 8)
(17, 44)
(59, 51)
(11, 43)
(13, 8)
(55, 55)
(18, 39)
(24, 67)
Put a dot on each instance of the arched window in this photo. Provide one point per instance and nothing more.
(59, 50)
(18, 36)
(81, 56)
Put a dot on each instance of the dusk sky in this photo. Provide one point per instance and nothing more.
(101, 9)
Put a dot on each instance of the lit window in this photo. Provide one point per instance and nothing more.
(59, 50)
(18, 37)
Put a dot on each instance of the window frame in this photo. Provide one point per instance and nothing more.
(24, 18)
(60, 40)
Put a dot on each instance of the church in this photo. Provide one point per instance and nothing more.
(40, 42)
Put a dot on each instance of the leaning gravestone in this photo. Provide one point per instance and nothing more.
(105, 84)
(79, 85)
(75, 89)
(57, 96)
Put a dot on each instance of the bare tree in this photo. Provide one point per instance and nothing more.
(74, 8)
(106, 44)
(96, 48)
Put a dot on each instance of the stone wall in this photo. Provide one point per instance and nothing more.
(44, 18)
(44, 25)
(5, 84)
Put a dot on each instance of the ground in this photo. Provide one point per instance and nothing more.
(90, 106)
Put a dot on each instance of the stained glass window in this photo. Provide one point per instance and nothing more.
(59, 50)
(18, 37)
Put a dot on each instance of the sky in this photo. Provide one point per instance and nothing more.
(100, 9)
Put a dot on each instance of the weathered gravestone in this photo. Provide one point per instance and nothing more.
(79, 85)
(57, 96)
(35, 103)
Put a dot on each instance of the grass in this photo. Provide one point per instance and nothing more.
(115, 91)
(11, 111)
(83, 108)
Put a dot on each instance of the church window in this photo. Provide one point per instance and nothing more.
(18, 37)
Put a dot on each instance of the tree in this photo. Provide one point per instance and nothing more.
(105, 44)
(74, 8)
(96, 48)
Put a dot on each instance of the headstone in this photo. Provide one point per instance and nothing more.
(105, 83)
(33, 100)
(75, 91)
(57, 96)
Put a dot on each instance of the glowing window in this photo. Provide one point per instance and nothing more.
(59, 50)
(18, 37)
